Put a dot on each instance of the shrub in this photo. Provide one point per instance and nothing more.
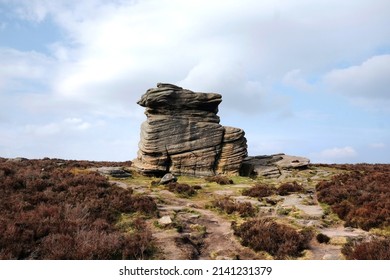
(377, 249)
(279, 240)
(222, 180)
(182, 189)
(359, 197)
(322, 238)
(143, 204)
(95, 244)
(259, 191)
(49, 212)
(290, 187)
(229, 206)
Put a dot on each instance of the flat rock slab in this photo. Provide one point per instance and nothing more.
(117, 172)
(296, 201)
(287, 161)
(272, 166)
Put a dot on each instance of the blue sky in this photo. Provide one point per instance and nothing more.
(307, 78)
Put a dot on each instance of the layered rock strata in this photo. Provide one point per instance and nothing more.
(182, 135)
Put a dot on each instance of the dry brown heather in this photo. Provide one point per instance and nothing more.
(50, 212)
(57, 209)
(360, 197)
(279, 240)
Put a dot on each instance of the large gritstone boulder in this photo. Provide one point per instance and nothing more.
(182, 135)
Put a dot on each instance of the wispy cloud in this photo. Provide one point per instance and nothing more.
(295, 79)
(62, 127)
(378, 145)
(27, 66)
(366, 84)
(335, 155)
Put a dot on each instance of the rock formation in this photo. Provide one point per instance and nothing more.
(272, 166)
(182, 135)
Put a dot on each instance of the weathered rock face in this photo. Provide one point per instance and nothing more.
(233, 150)
(182, 134)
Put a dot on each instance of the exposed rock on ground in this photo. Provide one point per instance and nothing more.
(167, 178)
(271, 166)
(117, 172)
(182, 135)
(165, 220)
(17, 159)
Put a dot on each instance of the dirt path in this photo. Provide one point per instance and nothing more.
(188, 229)
(313, 215)
(199, 233)
(195, 232)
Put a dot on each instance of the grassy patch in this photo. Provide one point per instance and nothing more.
(219, 179)
(381, 231)
(242, 180)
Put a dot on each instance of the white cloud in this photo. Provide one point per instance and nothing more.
(118, 49)
(239, 92)
(295, 79)
(367, 84)
(339, 152)
(18, 65)
(378, 145)
(77, 123)
(66, 126)
(335, 155)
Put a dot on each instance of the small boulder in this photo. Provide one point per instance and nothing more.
(165, 220)
(169, 177)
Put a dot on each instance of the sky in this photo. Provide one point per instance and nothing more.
(301, 77)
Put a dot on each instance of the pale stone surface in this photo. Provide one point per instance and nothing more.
(165, 220)
(167, 178)
(117, 172)
(234, 149)
(182, 134)
(271, 166)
